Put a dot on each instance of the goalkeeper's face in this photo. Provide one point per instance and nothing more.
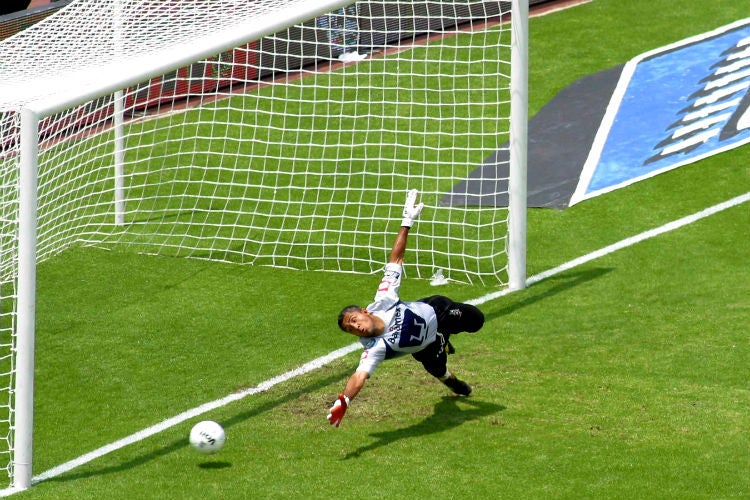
(362, 324)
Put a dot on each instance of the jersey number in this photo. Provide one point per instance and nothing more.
(413, 331)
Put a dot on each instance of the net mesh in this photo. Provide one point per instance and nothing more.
(294, 149)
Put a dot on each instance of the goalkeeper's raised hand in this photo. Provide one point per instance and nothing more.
(411, 210)
(337, 411)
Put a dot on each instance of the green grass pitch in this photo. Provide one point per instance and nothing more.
(626, 377)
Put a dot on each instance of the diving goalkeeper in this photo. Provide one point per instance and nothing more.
(390, 327)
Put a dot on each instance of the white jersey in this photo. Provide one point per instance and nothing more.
(409, 326)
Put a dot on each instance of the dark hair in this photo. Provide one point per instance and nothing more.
(344, 311)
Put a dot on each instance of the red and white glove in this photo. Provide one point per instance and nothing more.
(411, 211)
(336, 413)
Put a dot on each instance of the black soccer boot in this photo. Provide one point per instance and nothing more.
(458, 386)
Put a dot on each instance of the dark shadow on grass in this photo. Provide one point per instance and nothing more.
(215, 465)
(447, 415)
(548, 288)
(335, 378)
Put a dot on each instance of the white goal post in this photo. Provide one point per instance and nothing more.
(282, 133)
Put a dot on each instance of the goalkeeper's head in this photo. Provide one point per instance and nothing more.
(360, 322)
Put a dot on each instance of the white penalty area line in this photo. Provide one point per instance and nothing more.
(339, 353)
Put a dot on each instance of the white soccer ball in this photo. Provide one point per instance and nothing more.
(207, 437)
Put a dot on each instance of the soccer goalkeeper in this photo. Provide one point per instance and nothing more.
(389, 327)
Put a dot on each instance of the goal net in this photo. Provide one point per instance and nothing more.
(269, 132)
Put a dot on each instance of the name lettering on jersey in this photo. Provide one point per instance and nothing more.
(395, 329)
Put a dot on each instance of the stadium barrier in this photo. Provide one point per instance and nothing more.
(350, 29)
(12, 23)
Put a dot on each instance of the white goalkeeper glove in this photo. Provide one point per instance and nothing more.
(336, 413)
(411, 211)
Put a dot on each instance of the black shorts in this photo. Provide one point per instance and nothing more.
(433, 357)
(454, 317)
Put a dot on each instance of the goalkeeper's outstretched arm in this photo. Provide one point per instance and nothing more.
(410, 214)
(362, 323)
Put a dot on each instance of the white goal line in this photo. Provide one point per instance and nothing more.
(339, 353)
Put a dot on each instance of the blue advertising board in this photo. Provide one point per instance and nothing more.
(672, 106)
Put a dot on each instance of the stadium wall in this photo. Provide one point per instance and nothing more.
(357, 27)
(10, 24)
